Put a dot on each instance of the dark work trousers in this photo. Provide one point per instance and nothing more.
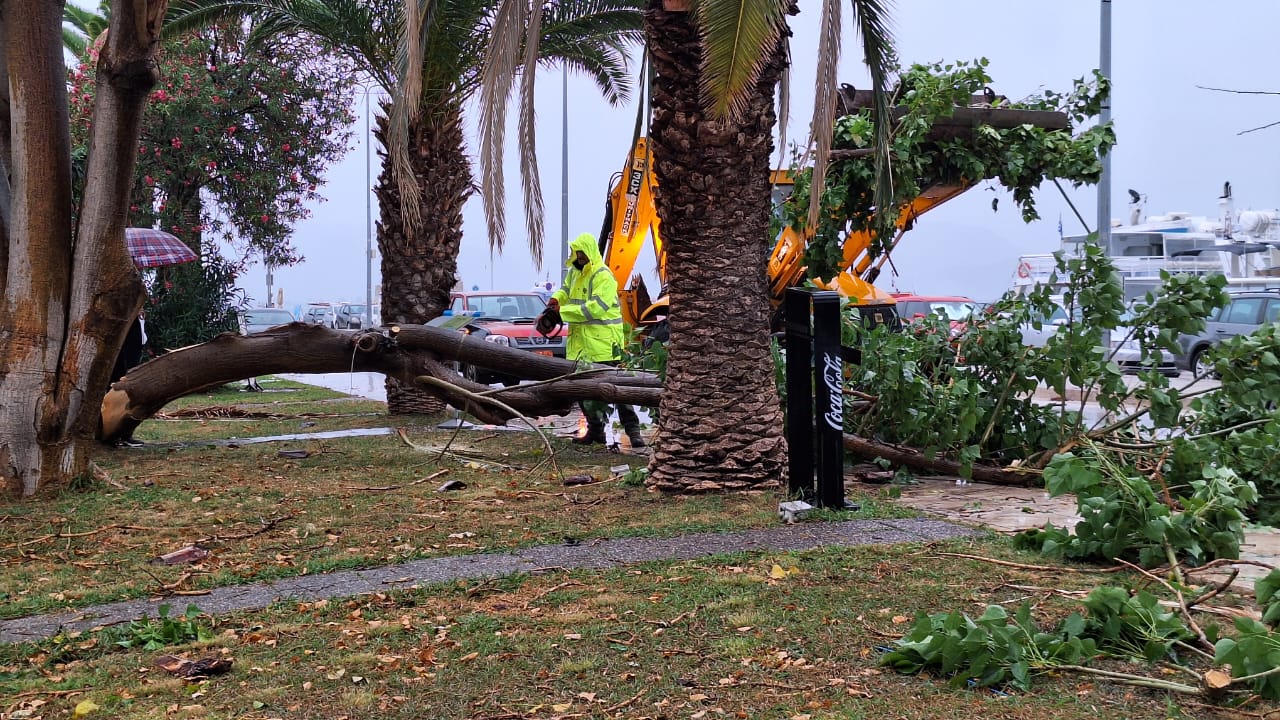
(130, 353)
(626, 413)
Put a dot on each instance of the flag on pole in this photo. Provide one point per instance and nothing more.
(1059, 226)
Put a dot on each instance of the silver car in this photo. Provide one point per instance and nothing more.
(1242, 315)
(1118, 345)
(255, 320)
(350, 316)
(319, 314)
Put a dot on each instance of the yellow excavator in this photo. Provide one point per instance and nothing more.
(631, 215)
(631, 219)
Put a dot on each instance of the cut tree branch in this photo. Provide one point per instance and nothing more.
(912, 458)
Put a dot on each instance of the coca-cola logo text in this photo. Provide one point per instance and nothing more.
(832, 375)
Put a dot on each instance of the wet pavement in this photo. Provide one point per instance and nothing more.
(361, 384)
(598, 554)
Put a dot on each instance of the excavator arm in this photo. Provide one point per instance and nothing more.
(786, 262)
(632, 217)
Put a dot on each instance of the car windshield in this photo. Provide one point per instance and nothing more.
(948, 309)
(355, 310)
(506, 307)
(267, 317)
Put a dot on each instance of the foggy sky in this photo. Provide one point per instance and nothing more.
(1176, 144)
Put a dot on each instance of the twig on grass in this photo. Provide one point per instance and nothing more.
(437, 382)
(548, 591)
(404, 438)
(1024, 566)
(1236, 711)
(172, 588)
(35, 693)
(264, 527)
(1127, 679)
(64, 536)
(1215, 590)
(1227, 561)
(384, 488)
(626, 702)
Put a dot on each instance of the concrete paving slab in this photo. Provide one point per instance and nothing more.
(1013, 510)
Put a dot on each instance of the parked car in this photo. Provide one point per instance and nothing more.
(1123, 349)
(1033, 336)
(1118, 345)
(350, 316)
(255, 320)
(505, 318)
(956, 309)
(319, 314)
(1242, 315)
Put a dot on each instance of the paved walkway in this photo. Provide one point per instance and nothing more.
(599, 554)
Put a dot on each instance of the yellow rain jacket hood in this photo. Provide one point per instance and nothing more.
(589, 304)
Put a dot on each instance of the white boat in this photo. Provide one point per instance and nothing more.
(1244, 247)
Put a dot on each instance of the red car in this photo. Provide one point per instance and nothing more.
(505, 318)
(955, 308)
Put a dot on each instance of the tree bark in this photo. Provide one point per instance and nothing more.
(6, 160)
(404, 353)
(899, 455)
(419, 264)
(720, 423)
(66, 300)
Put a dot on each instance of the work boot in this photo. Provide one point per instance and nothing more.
(594, 436)
(637, 440)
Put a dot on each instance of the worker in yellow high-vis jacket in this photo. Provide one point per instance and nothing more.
(588, 302)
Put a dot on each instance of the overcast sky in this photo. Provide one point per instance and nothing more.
(1177, 143)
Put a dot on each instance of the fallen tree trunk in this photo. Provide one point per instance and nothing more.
(912, 458)
(407, 353)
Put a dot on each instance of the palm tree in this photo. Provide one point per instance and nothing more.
(721, 425)
(430, 81)
(81, 27)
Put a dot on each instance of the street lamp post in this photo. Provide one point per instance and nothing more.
(368, 217)
(1104, 117)
(564, 173)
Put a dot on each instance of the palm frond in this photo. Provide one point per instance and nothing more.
(824, 103)
(351, 28)
(784, 103)
(872, 17)
(74, 42)
(739, 37)
(529, 179)
(501, 59)
(594, 37)
(610, 70)
(88, 22)
(405, 104)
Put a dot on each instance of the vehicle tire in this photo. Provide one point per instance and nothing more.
(1200, 364)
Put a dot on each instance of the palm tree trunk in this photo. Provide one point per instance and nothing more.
(419, 264)
(721, 422)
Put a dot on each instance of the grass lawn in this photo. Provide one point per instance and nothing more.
(753, 635)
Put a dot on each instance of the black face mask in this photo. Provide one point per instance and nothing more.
(579, 263)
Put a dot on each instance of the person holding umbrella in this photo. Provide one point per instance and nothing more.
(149, 248)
